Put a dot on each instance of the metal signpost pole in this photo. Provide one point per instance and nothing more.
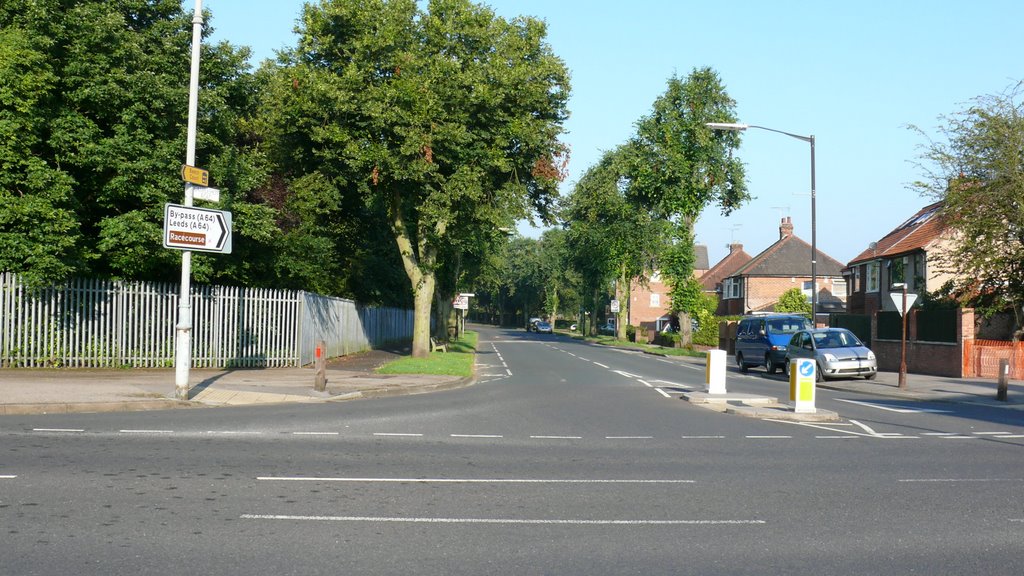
(183, 344)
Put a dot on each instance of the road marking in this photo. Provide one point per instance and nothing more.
(701, 437)
(234, 432)
(58, 430)
(557, 437)
(938, 433)
(899, 410)
(990, 433)
(626, 374)
(645, 383)
(958, 437)
(837, 436)
(870, 433)
(147, 431)
(663, 393)
(508, 371)
(768, 437)
(628, 437)
(396, 434)
(315, 433)
(599, 364)
(7, 476)
(962, 480)
(477, 436)
(468, 480)
(584, 359)
(501, 520)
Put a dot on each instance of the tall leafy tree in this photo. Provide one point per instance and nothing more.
(444, 120)
(617, 238)
(678, 167)
(978, 173)
(93, 106)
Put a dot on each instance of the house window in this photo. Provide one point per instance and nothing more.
(655, 300)
(919, 280)
(898, 270)
(839, 287)
(873, 270)
(857, 285)
(733, 288)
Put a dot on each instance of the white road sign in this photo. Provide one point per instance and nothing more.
(200, 229)
(461, 302)
(897, 299)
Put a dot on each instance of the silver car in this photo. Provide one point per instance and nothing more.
(837, 351)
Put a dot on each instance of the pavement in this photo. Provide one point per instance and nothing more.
(50, 391)
(57, 391)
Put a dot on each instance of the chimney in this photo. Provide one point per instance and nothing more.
(733, 248)
(786, 228)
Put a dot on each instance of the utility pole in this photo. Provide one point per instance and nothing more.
(183, 330)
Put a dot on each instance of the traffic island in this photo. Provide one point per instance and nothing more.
(756, 406)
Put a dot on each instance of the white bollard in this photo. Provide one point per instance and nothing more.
(714, 374)
(801, 384)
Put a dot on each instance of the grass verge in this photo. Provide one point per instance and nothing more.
(612, 341)
(457, 361)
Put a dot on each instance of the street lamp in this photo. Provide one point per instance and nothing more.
(734, 127)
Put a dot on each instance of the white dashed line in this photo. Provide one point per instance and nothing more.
(556, 437)
(468, 480)
(645, 383)
(235, 432)
(767, 437)
(663, 393)
(601, 365)
(314, 433)
(702, 437)
(477, 436)
(7, 476)
(399, 434)
(58, 430)
(961, 480)
(146, 431)
(628, 437)
(501, 520)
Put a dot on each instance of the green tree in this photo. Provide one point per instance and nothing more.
(616, 239)
(93, 106)
(978, 173)
(793, 300)
(444, 120)
(678, 166)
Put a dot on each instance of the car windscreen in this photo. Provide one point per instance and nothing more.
(835, 339)
(787, 325)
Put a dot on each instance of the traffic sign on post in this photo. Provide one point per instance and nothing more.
(196, 176)
(200, 229)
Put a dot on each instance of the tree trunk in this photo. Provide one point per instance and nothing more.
(621, 294)
(418, 260)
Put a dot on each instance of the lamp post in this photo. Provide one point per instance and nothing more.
(735, 127)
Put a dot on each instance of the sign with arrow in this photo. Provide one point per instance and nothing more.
(200, 229)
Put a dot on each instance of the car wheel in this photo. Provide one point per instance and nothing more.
(871, 376)
(819, 374)
(785, 368)
(741, 363)
(770, 365)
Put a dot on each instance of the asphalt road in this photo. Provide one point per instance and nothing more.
(564, 458)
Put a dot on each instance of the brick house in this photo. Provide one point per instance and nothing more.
(649, 304)
(726, 267)
(757, 285)
(904, 255)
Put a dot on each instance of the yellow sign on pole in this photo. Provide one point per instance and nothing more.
(802, 376)
(195, 175)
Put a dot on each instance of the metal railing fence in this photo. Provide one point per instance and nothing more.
(90, 323)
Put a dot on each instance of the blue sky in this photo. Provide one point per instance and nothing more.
(853, 74)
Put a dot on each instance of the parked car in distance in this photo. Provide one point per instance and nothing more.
(543, 328)
(838, 352)
(607, 329)
(531, 326)
(761, 339)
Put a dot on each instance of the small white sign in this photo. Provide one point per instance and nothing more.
(897, 299)
(206, 193)
(461, 302)
(615, 306)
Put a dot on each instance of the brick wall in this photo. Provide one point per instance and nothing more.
(937, 359)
